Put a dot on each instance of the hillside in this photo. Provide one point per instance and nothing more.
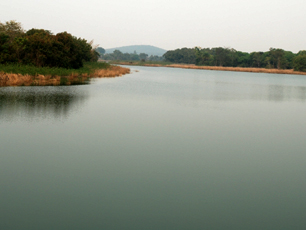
(150, 50)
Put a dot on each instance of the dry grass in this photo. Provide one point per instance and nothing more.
(238, 69)
(15, 79)
(221, 68)
(113, 71)
(10, 79)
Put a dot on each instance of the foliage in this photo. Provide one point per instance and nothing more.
(118, 55)
(39, 47)
(12, 29)
(89, 67)
(100, 50)
(219, 56)
(184, 55)
(299, 63)
(141, 63)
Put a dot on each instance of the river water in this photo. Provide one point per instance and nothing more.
(157, 149)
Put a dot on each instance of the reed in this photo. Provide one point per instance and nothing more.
(113, 71)
(33, 76)
(219, 68)
(238, 69)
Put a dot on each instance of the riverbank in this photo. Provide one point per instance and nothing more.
(9, 78)
(219, 68)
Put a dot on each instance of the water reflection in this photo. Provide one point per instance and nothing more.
(286, 93)
(195, 88)
(40, 102)
(159, 149)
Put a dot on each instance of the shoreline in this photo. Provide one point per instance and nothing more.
(220, 68)
(11, 79)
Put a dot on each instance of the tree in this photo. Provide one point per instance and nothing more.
(100, 50)
(4, 48)
(143, 56)
(222, 56)
(257, 59)
(12, 29)
(11, 41)
(203, 56)
(40, 47)
(301, 52)
(277, 58)
(289, 56)
(242, 59)
(184, 55)
(117, 54)
(299, 63)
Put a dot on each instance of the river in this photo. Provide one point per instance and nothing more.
(158, 149)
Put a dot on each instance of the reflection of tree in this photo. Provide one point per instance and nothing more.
(234, 91)
(286, 93)
(39, 103)
(301, 93)
(277, 92)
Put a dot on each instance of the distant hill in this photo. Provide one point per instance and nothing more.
(150, 50)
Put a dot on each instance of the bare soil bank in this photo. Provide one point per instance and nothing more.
(10, 79)
(221, 68)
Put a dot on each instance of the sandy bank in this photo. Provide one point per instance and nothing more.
(10, 79)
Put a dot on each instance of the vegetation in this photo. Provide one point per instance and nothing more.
(147, 49)
(118, 55)
(141, 63)
(100, 51)
(184, 55)
(15, 68)
(37, 57)
(40, 48)
(299, 63)
(24, 75)
(226, 57)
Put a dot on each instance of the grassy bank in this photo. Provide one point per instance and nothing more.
(219, 68)
(88, 68)
(25, 75)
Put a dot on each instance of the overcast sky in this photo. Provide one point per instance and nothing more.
(246, 25)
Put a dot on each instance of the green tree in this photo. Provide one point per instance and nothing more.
(299, 63)
(289, 56)
(257, 59)
(242, 59)
(203, 56)
(143, 56)
(4, 48)
(301, 52)
(222, 56)
(100, 50)
(12, 28)
(40, 48)
(277, 58)
(184, 55)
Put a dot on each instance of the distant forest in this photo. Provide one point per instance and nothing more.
(39, 47)
(147, 49)
(118, 55)
(274, 58)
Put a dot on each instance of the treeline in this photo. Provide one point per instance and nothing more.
(274, 58)
(118, 55)
(41, 48)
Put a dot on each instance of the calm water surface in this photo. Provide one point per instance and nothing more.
(157, 149)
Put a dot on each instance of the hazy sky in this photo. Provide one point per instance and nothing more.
(246, 25)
